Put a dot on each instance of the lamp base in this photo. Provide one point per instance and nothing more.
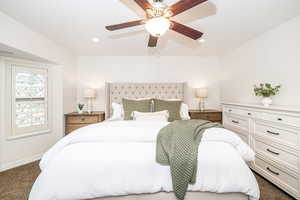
(202, 105)
(90, 106)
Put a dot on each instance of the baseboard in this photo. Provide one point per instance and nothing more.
(19, 163)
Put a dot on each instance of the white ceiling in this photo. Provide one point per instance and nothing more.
(73, 23)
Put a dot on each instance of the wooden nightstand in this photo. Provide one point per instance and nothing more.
(211, 115)
(75, 120)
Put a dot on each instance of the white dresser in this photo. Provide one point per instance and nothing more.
(274, 134)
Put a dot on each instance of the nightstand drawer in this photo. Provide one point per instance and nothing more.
(203, 116)
(72, 127)
(215, 117)
(211, 115)
(82, 119)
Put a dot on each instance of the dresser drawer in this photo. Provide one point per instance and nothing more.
(72, 127)
(82, 119)
(282, 136)
(241, 112)
(278, 175)
(283, 119)
(271, 152)
(237, 122)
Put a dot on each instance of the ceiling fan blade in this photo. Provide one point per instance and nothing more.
(152, 41)
(144, 4)
(124, 25)
(185, 30)
(184, 5)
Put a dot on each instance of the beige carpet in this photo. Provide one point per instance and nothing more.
(15, 184)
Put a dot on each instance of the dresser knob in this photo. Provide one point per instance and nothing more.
(279, 119)
(249, 114)
(82, 119)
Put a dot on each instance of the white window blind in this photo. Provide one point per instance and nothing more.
(30, 100)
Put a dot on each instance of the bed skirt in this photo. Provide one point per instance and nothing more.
(189, 196)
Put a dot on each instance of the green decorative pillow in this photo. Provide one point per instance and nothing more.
(135, 105)
(172, 106)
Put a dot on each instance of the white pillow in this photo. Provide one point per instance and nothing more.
(118, 111)
(150, 116)
(184, 112)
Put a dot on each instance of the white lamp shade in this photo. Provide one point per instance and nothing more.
(158, 26)
(89, 93)
(201, 92)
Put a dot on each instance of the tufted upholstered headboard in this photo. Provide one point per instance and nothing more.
(115, 92)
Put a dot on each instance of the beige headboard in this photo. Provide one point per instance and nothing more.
(116, 91)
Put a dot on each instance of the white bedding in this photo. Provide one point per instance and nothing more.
(118, 158)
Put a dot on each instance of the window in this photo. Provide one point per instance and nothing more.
(29, 100)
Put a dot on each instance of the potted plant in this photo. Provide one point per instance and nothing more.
(80, 108)
(266, 91)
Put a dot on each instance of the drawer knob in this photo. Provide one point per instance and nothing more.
(279, 119)
(273, 133)
(82, 119)
(236, 122)
(273, 172)
(249, 113)
(273, 152)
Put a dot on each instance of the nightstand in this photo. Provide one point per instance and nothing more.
(75, 120)
(211, 115)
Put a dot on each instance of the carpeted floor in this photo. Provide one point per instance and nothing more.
(15, 184)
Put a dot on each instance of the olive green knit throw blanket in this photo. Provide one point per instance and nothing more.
(177, 146)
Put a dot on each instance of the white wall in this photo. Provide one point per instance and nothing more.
(272, 57)
(197, 71)
(18, 36)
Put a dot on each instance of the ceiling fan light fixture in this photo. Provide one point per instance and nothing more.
(158, 26)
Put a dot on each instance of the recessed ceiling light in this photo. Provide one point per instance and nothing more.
(96, 40)
(201, 40)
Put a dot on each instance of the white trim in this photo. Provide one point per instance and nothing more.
(12, 66)
(42, 132)
(21, 162)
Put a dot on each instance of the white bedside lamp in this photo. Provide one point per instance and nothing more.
(202, 94)
(89, 93)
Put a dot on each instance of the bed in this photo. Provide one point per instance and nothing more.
(115, 160)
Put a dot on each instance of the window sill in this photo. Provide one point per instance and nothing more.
(16, 137)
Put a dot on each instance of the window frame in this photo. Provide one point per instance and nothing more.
(13, 67)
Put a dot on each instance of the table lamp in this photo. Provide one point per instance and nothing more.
(89, 93)
(202, 94)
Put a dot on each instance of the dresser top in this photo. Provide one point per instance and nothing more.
(295, 109)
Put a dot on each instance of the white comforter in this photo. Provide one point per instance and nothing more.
(118, 158)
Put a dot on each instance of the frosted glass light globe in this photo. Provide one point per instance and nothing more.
(158, 26)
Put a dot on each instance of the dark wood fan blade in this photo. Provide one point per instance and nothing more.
(124, 25)
(185, 30)
(144, 4)
(184, 5)
(152, 41)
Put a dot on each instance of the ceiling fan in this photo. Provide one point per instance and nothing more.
(158, 19)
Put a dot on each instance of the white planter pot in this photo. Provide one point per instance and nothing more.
(267, 101)
(78, 110)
